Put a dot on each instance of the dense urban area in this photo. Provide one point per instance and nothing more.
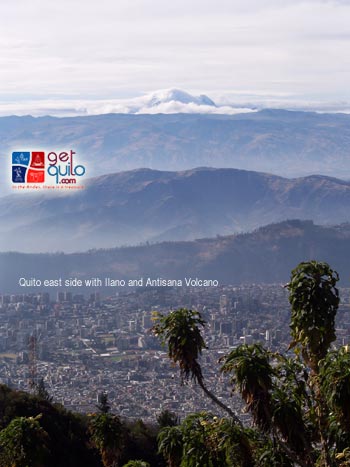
(82, 346)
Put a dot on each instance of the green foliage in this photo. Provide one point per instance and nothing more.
(270, 455)
(273, 389)
(299, 405)
(180, 331)
(335, 384)
(314, 300)
(205, 440)
(136, 463)
(68, 438)
(234, 441)
(170, 445)
(201, 442)
(335, 388)
(24, 443)
(140, 442)
(251, 373)
(107, 435)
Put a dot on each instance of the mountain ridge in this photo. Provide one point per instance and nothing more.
(130, 207)
(265, 255)
(281, 142)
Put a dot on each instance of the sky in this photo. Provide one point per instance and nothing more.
(66, 55)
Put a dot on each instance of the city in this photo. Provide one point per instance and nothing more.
(82, 346)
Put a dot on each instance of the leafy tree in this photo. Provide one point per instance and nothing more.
(252, 374)
(201, 444)
(69, 443)
(205, 440)
(299, 405)
(170, 445)
(180, 331)
(140, 442)
(335, 388)
(24, 443)
(314, 300)
(107, 435)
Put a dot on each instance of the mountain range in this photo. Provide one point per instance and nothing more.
(144, 205)
(276, 141)
(265, 255)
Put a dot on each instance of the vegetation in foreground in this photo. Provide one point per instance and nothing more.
(299, 402)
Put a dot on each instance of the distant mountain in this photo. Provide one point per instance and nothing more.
(276, 141)
(266, 255)
(146, 205)
(173, 95)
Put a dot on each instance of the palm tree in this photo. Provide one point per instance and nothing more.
(180, 330)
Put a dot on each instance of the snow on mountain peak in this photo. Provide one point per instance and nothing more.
(176, 95)
(166, 101)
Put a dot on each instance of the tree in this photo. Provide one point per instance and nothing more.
(170, 445)
(285, 396)
(314, 300)
(299, 405)
(252, 373)
(167, 418)
(24, 443)
(107, 435)
(334, 381)
(180, 331)
(205, 440)
(103, 405)
(41, 391)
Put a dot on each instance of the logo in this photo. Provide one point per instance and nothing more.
(28, 167)
(40, 169)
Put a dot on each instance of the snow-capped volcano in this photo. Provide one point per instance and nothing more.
(167, 101)
(175, 95)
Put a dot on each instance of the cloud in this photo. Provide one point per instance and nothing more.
(153, 103)
(107, 49)
(228, 104)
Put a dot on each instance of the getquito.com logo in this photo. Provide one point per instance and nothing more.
(41, 168)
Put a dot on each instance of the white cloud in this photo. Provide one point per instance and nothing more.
(229, 104)
(107, 49)
(154, 103)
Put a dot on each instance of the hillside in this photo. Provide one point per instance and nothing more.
(133, 207)
(276, 141)
(266, 255)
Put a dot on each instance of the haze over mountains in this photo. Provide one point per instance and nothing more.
(275, 141)
(264, 256)
(145, 205)
(124, 204)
